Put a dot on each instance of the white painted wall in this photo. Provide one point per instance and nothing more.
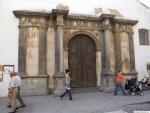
(4, 85)
(131, 9)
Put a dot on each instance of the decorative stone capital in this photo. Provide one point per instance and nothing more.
(59, 14)
(60, 19)
(106, 24)
(105, 19)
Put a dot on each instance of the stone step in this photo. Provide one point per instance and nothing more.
(81, 90)
(117, 111)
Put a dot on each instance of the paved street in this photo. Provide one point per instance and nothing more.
(95, 102)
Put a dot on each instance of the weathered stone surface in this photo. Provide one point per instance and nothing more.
(50, 55)
(32, 55)
(44, 44)
(34, 85)
(125, 55)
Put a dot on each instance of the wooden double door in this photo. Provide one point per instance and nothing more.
(82, 61)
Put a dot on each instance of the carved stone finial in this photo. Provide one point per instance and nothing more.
(98, 10)
(62, 7)
(115, 12)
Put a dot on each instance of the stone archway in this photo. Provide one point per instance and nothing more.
(82, 61)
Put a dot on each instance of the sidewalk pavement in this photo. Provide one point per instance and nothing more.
(93, 102)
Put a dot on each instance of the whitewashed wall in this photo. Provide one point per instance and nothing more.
(4, 85)
(131, 9)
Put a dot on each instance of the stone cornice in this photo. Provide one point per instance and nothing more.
(106, 16)
(38, 26)
(20, 13)
(126, 21)
(82, 17)
(58, 11)
(46, 14)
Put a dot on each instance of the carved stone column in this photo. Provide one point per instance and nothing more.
(107, 74)
(59, 51)
(50, 53)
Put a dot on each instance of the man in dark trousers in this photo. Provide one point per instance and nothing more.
(67, 85)
(119, 83)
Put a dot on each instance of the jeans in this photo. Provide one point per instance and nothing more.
(68, 91)
(119, 85)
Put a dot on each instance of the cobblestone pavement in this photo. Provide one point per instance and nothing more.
(95, 102)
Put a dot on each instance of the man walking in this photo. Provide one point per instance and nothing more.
(119, 82)
(15, 92)
(67, 85)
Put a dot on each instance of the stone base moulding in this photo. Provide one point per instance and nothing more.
(34, 85)
(59, 83)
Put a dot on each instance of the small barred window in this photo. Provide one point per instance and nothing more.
(143, 37)
(148, 67)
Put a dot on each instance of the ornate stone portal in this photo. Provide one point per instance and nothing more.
(94, 48)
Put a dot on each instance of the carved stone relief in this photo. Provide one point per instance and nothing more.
(32, 21)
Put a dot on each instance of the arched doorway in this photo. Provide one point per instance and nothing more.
(82, 61)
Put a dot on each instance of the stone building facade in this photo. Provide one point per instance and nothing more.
(93, 48)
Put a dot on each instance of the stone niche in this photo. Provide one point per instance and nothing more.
(44, 39)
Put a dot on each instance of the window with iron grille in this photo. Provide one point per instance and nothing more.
(148, 66)
(143, 37)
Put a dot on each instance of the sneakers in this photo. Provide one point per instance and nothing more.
(8, 106)
(20, 107)
(12, 112)
(61, 98)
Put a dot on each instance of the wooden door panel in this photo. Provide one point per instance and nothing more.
(82, 61)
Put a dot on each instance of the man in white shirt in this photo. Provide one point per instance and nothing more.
(15, 92)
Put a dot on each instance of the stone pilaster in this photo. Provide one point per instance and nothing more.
(117, 45)
(42, 50)
(131, 49)
(23, 31)
(59, 51)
